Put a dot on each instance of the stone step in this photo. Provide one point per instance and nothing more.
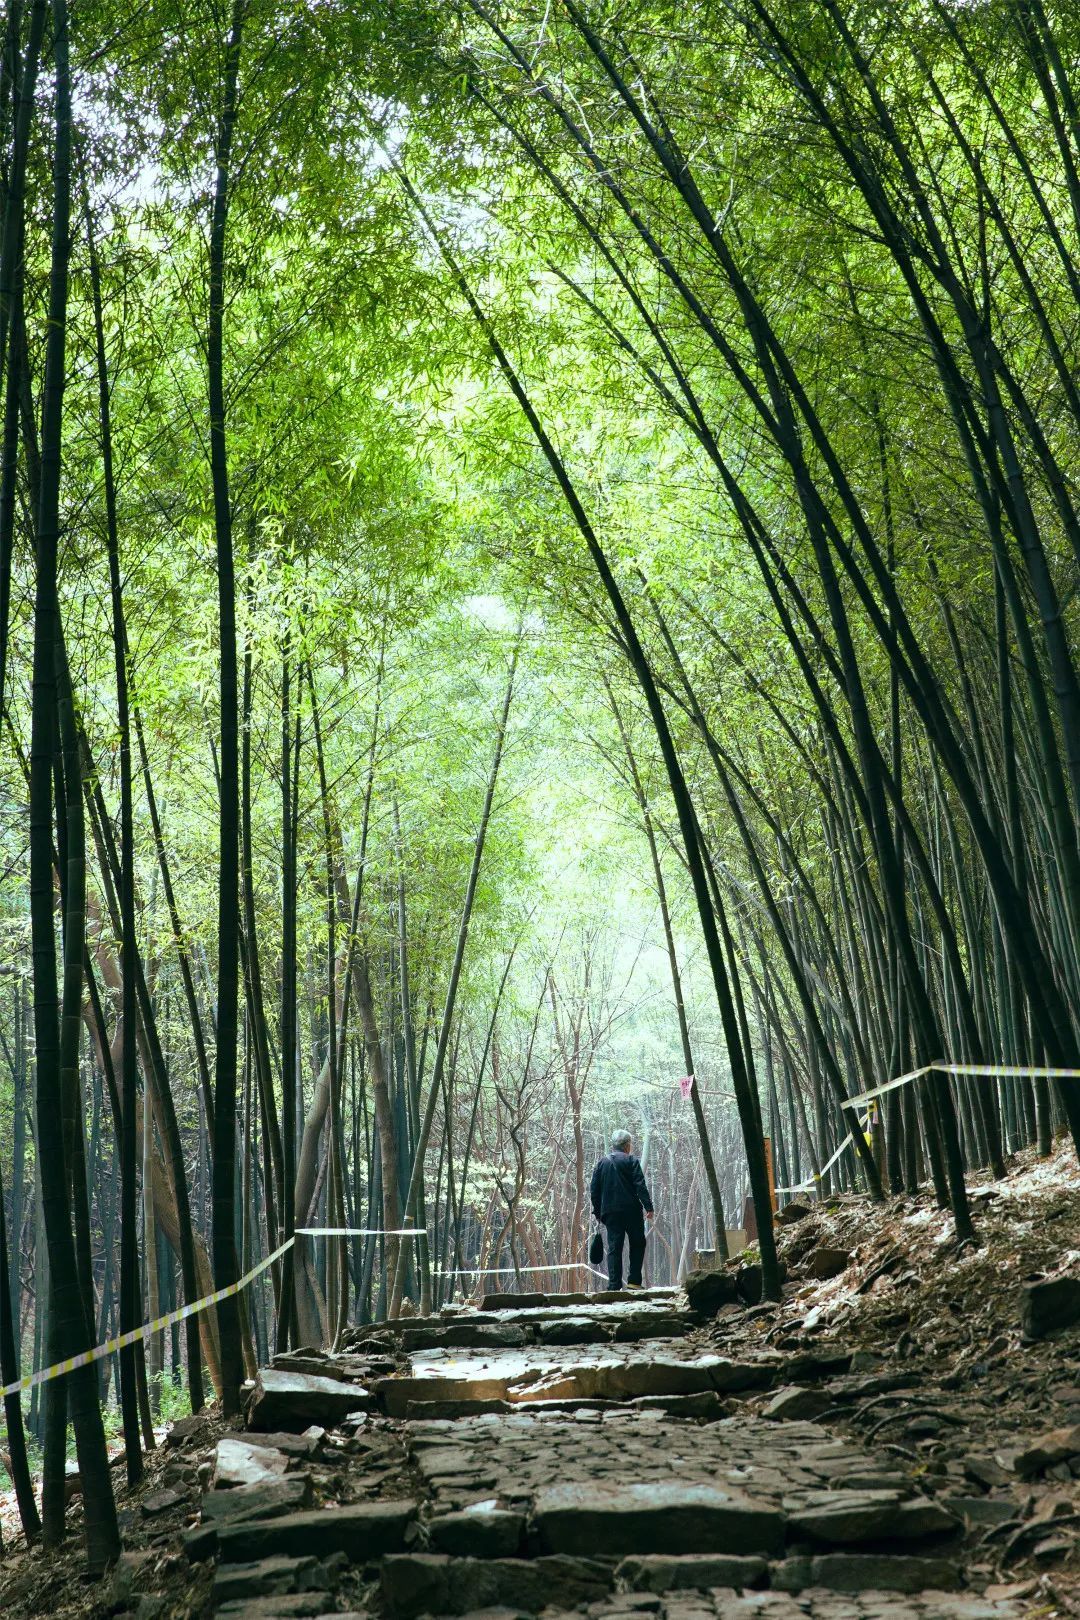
(631, 1328)
(271, 1577)
(545, 1328)
(623, 1519)
(434, 1583)
(839, 1572)
(239, 1462)
(602, 1296)
(361, 1531)
(847, 1518)
(483, 1531)
(706, 1405)
(613, 1318)
(520, 1376)
(693, 1572)
(867, 1572)
(286, 1606)
(273, 1499)
(464, 1335)
(816, 1603)
(413, 1584)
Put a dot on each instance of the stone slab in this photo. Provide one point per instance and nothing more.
(199, 1544)
(484, 1531)
(1046, 1450)
(707, 1405)
(707, 1291)
(651, 1375)
(624, 1519)
(298, 1446)
(294, 1401)
(576, 1372)
(425, 1411)
(567, 1329)
(162, 1502)
(271, 1500)
(464, 1335)
(795, 1402)
(983, 1510)
(602, 1296)
(316, 1362)
(286, 1606)
(866, 1572)
(523, 1301)
(361, 1531)
(814, 1365)
(845, 1518)
(268, 1577)
(630, 1329)
(693, 1572)
(396, 1395)
(736, 1377)
(237, 1463)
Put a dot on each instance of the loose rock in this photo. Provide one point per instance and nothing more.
(707, 1291)
(1047, 1306)
(824, 1263)
(794, 1402)
(1057, 1446)
(294, 1401)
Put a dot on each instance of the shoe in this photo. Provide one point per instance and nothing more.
(637, 1287)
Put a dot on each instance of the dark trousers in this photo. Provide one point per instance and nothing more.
(619, 1228)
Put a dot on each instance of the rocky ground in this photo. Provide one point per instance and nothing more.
(898, 1440)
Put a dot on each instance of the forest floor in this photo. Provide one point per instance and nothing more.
(898, 1440)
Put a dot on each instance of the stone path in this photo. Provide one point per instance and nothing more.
(580, 1454)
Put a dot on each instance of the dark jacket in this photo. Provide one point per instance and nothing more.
(618, 1187)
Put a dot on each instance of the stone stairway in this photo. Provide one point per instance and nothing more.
(568, 1454)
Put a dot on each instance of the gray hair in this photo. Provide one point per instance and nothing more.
(620, 1141)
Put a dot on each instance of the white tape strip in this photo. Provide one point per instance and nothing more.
(360, 1231)
(890, 1085)
(500, 1271)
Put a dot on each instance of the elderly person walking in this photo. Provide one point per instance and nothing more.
(621, 1202)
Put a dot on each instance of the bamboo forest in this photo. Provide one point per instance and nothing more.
(540, 710)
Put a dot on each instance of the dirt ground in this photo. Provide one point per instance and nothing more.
(979, 1394)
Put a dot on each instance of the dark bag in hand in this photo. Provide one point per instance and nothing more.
(596, 1249)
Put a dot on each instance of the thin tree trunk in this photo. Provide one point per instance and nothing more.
(224, 1130)
(69, 1331)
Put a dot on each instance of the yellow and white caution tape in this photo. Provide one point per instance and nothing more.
(1007, 1071)
(985, 1071)
(808, 1186)
(890, 1085)
(122, 1340)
